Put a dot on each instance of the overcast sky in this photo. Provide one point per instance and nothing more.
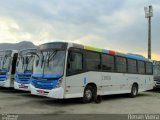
(112, 24)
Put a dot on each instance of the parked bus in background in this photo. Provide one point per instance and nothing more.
(24, 69)
(156, 73)
(68, 70)
(8, 60)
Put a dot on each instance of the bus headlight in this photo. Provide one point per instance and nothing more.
(59, 82)
(7, 75)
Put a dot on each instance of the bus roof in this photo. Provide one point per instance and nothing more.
(111, 52)
(63, 45)
(12, 50)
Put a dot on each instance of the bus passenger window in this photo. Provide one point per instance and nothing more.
(132, 66)
(92, 61)
(149, 68)
(121, 64)
(141, 67)
(75, 63)
(107, 63)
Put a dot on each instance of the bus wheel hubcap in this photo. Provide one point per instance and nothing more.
(88, 94)
(134, 90)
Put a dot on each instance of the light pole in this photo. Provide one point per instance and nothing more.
(148, 15)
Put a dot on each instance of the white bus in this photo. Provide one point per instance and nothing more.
(67, 70)
(24, 69)
(8, 60)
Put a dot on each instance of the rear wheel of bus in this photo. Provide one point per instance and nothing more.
(134, 90)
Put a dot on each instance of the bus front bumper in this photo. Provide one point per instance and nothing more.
(5, 83)
(56, 93)
(19, 86)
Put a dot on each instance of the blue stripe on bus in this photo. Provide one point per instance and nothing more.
(23, 78)
(105, 51)
(4, 75)
(135, 57)
(47, 76)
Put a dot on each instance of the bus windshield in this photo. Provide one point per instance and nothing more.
(25, 63)
(49, 62)
(5, 59)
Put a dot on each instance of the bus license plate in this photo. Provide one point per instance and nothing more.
(41, 92)
(23, 86)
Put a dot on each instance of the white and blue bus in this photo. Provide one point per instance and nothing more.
(68, 70)
(24, 69)
(8, 60)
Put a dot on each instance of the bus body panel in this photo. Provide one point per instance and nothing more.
(57, 93)
(5, 83)
(107, 84)
(8, 82)
(20, 86)
(75, 84)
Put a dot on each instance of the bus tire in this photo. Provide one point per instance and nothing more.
(88, 94)
(98, 99)
(134, 90)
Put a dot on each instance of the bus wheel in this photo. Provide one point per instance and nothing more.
(134, 90)
(88, 94)
(98, 99)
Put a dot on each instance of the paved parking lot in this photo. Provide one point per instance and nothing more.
(19, 102)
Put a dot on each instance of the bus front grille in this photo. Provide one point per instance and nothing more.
(44, 84)
(3, 77)
(24, 79)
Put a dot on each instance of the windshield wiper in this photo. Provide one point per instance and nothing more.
(42, 60)
(51, 56)
(21, 58)
(28, 60)
(33, 53)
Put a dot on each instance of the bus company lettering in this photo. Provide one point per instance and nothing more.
(106, 77)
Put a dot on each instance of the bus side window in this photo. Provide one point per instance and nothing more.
(141, 67)
(121, 64)
(149, 68)
(93, 61)
(75, 63)
(14, 63)
(132, 66)
(108, 63)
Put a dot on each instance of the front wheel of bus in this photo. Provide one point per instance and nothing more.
(134, 90)
(88, 94)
